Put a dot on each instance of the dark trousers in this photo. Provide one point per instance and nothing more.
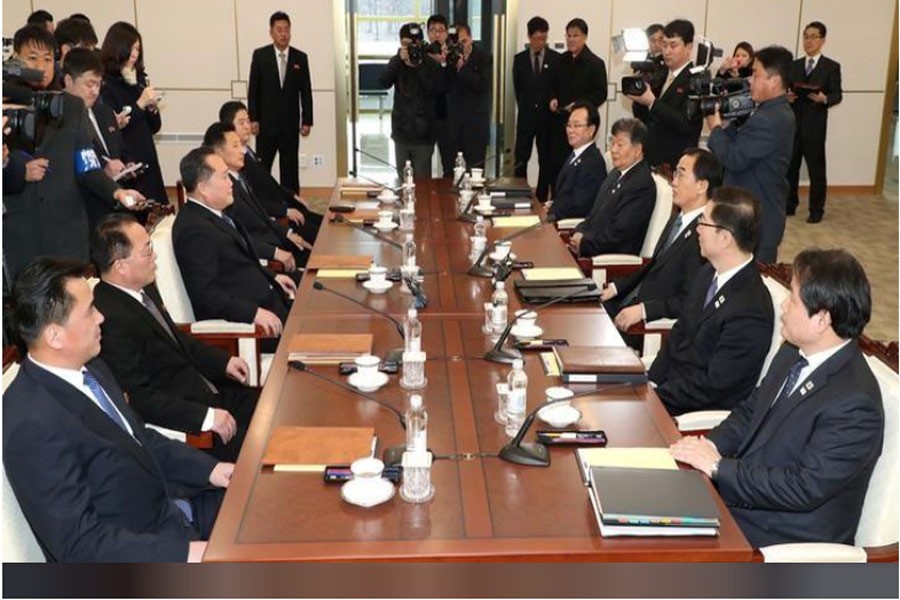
(472, 141)
(445, 149)
(559, 146)
(811, 147)
(286, 145)
(419, 156)
(240, 402)
(528, 130)
(206, 508)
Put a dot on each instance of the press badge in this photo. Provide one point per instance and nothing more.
(86, 160)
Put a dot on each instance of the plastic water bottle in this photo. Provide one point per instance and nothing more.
(412, 331)
(408, 174)
(480, 227)
(409, 252)
(466, 183)
(517, 381)
(459, 168)
(416, 425)
(500, 300)
(479, 239)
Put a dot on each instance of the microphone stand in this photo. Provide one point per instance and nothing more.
(466, 215)
(498, 354)
(376, 158)
(536, 454)
(342, 219)
(383, 186)
(417, 292)
(478, 269)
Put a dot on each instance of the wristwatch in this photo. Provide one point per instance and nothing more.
(714, 470)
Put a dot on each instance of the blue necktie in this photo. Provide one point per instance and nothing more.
(103, 400)
(710, 291)
(791, 381)
(673, 235)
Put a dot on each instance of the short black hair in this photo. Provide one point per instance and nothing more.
(460, 26)
(40, 297)
(81, 16)
(194, 169)
(776, 60)
(833, 280)
(39, 17)
(75, 31)
(109, 242)
(79, 61)
(537, 24)
(436, 19)
(680, 28)
(593, 113)
(637, 131)
(578, 23)
(278, 15)
(215, 134)
(36, 35)
(228, 112)
(823, 31)
(706, 168)
(653, 28)
(737, 211)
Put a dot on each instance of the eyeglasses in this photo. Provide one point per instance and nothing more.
(577, 125)
(701, 221)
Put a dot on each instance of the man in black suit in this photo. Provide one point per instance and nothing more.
(93, 482)
(173, 380)
(584, 170)
(622, 209)
(793, 460)
(713, 357)
(436, 29)
(531, 82)
(670, 130)
(756, 154)
(278, 201)
(578, 74)
(221, 271)
(659, 288)
(279, 88)
(469, 100)
(815, 88)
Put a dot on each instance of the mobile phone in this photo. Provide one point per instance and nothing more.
(349, 368)
(342, 208)
(342, 473)
(126, 110)
(594, 437)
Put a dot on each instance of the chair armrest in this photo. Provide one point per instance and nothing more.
(700, 420)
(222, 328)
(565, 235)
(660, 326)
(811, 552)
(612, 260)
(886, 553)
(567, 225)
(201, 441)
(585, 265)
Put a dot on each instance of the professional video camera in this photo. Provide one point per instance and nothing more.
(454, 48)
(705, 92)
(418, 47)
(27, 108)
(647, 73)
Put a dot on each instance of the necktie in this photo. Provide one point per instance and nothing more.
(673, 235)
(537, 64)
(185, 507)
(228, 220)
(791, 381)
(282, 67)
(103, 400)
(668, 82)
(97, 130)
(711, 291)
(809, 66)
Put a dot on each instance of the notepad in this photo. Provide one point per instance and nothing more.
(311, 449)
(329, 348)
(633, 458)
(552, 274)
(566, 224)
(550, 364)
(338, 273)
(517, 221)
(338, 261)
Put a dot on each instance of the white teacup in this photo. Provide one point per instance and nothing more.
(557, 393)
(527, 319)
(367, 470)
(367, 365)
(477, 174)
(484, 202)
(501, 251)
(377, 274)
(385, 217)
(387, 194)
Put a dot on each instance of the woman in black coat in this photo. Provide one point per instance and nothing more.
(125, 84)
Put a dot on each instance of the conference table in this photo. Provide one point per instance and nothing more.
(484, 509)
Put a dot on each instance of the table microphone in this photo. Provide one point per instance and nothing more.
(395, 356)
(536, 454)
(466, 215)
(498, 354)
(299, 365)
(478, 269)
(339, 218)
(383, 186)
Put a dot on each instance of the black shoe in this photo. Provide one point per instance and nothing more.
(790, 211)
(814, 218)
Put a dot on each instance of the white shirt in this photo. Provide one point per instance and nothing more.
(815, 361)
(815, 60)
(688, 218)
(578, 152)
(96, 125)
(723, 278)
(218, 213)
(628, 168)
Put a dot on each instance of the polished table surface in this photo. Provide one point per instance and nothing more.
(484, 508)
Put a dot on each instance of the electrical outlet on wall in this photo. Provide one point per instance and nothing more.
(303, 162)
(318, 161)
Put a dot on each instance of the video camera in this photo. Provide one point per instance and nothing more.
(705, 92)
(31, 108)
(418, 47)
(454, 48)
(648, 73)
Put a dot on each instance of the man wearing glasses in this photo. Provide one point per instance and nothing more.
(584, 169)
(713, 357)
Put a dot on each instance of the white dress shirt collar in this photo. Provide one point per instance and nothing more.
(578, 151)
(136, 295)
(723, 278)
(218, 213)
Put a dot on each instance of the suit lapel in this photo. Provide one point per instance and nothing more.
(679, 81)
(723, 295)
(132, 306)
(688, 236)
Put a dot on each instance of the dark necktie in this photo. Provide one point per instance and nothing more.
(673, 235)
(103, 400)
(228, 220)
(810, 65)
(537, 64)
(711, 291)
(791, 381)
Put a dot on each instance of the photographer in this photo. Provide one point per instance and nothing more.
(436, 28)
(468, 99)
(413, 115)
(756, 155)
(670, 130)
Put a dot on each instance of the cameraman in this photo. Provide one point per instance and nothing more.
(664, 112)
(436, 27)
(469, 100)
(413, 127)
(756, 155)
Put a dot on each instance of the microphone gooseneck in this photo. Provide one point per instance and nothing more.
(342, 219)
(319, 286)
(478, 269)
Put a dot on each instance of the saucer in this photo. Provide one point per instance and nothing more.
(526, 334)
(388, 199)
(367, 385)
(377, 288)
(385, 227)
(484, 211)
(559, 415)
(367, 494)
(479, 181)
(497, 258)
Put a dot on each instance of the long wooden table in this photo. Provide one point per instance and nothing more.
(484, 508)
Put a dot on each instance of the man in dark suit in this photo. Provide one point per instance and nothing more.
(659, 288)
(221, 271)
(279, 88)
(278, 201)
(578, 74)
(793, 460)
(622, 209)
(815, 88)
(93, 482)
(713, 357)
(469, 100)
(670, 130)
(584, 170)
(531, 82)
(756, 155)
(173, 380)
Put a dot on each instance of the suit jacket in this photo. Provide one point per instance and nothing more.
(14, 173)
(265, 234)
(581, 78)
(664, 283)
(413, 115)
(800, 471)
(469, 97)
(669, 131)
(48, 217)
(621, 212)
(713, 357)
(277, 108)
(756, 156)
(577, 185)
(221, 271)
(100, 206)
(88, 490)
(161, 374)
(812, 118)
(533, 91)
